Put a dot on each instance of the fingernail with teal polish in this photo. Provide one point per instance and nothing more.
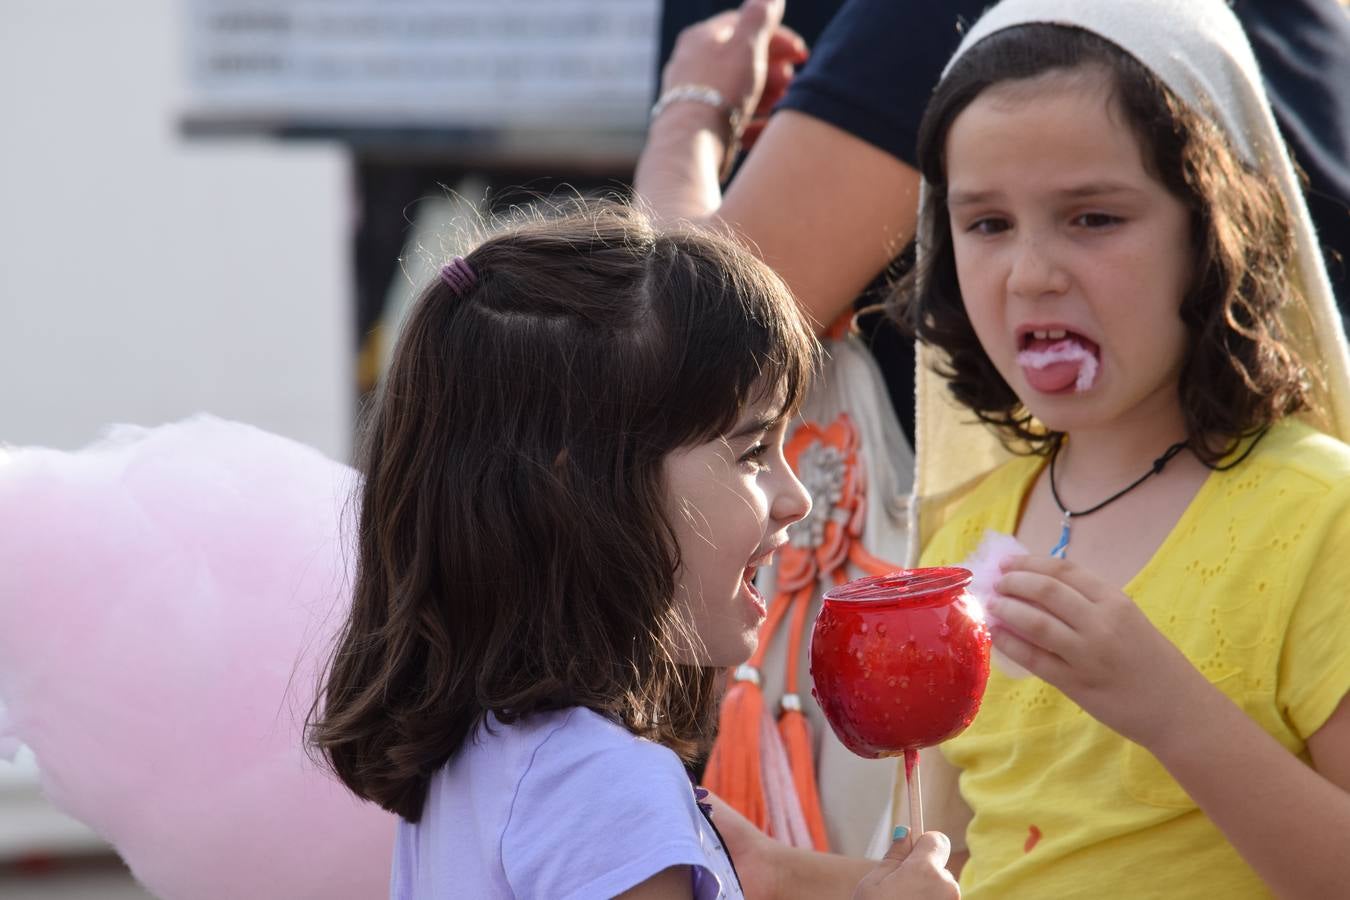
(900, 833)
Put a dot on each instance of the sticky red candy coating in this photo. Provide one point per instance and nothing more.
(900, 661)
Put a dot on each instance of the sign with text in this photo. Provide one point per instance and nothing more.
(523, 76)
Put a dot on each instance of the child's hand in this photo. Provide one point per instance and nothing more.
(1092, 642)
(918, 874)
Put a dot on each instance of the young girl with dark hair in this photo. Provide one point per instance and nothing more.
(1117, 279)
(1133, 365)
(572, 472)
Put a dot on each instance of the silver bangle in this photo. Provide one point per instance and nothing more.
(709, 96)
(699, 93)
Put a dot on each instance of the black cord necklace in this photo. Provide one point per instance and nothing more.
(1061, 549)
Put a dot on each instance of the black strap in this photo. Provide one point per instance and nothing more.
(707, 814)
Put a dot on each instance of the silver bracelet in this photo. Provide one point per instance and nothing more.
(710, 96)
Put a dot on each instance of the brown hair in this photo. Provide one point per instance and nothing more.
(1238, 376)
(514, 552)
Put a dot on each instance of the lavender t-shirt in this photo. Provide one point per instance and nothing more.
(560, 805)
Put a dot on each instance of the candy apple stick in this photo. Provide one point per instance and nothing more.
(915, 798)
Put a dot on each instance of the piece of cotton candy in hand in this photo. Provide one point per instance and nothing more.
(1064, 351)
(984, 564)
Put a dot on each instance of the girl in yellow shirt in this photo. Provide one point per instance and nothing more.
(1117, 280)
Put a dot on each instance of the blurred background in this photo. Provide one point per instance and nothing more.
(205, 201)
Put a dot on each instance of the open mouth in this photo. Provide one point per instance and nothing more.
(1056, 359)
(748, 579)
(756, 598)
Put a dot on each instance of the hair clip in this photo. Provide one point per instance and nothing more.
(459, 275)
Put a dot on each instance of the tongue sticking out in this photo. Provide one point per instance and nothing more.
(1052, 367)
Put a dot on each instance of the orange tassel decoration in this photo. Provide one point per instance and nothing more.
(733, 768)
(795, 730)
(733, 771)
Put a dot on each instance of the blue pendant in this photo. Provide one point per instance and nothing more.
(1061, 550)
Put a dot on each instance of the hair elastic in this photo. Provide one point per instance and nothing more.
(459, 275)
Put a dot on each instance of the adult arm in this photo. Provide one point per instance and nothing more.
(826, 209)
(747, 56)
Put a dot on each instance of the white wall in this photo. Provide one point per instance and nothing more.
(142, 277)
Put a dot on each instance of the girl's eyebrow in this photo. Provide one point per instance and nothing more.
(1099, 188)
(1091, 189)
(755, 426)
(969, 198)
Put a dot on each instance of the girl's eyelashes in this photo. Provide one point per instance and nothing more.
(764, 444)
(992, 225)
(1096, 220)
(755, 455)
(989, 225)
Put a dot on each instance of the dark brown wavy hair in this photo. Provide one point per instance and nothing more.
(514, 550)
(1238, 376)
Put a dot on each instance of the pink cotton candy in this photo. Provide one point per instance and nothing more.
(166, 598)
(984, 564)
(1064, 351)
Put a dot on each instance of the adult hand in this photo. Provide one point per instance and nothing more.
(1092, 642)
(918, 874)
(747, 54)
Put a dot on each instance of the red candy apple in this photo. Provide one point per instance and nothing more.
(900, 661)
